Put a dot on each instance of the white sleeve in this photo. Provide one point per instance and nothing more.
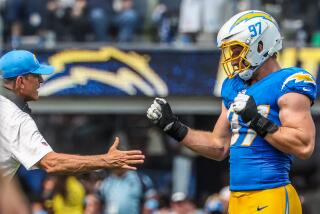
(29, 145)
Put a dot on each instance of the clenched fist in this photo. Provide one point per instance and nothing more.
(245, 106)
(160, 113)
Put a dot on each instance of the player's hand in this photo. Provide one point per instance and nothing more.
(123, 159)
(245, 106)
(160, 113)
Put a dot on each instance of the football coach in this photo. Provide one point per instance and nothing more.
(20, 140)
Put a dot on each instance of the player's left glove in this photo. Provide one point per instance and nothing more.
(245, 106)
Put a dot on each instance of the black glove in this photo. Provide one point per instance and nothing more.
(245, 106)
(161, 114)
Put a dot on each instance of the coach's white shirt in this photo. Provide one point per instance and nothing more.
(20, 140)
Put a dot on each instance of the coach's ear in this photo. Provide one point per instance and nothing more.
(19, 83)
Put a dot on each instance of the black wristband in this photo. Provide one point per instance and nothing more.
(263, 125)
(178, 131)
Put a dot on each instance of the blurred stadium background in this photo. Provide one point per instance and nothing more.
(111, 58)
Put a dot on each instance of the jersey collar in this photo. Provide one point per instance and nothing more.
(16, 100)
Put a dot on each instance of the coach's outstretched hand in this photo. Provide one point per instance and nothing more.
(123, 159)
(160, 113)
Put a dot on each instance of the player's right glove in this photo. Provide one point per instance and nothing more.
(160, 113)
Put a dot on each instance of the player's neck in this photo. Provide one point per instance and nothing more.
(270, 66)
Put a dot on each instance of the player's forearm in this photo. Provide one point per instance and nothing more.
(65, 163)
(297, 142)
(205, 144)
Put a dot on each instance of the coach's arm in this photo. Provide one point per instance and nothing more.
(55, 162)
(296, 135)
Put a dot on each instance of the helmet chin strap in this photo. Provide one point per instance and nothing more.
(246, 74)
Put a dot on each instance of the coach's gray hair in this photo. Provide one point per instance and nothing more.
(7, 83)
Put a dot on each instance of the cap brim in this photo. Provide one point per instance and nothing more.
(44, 70)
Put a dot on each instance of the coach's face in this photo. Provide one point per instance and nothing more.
(28, 86)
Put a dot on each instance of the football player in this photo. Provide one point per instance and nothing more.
(265, 119)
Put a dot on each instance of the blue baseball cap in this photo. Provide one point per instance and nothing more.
(20, 62)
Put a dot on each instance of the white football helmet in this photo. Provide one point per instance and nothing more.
(247, 29)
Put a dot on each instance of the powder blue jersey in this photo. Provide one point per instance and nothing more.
(254, 163)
